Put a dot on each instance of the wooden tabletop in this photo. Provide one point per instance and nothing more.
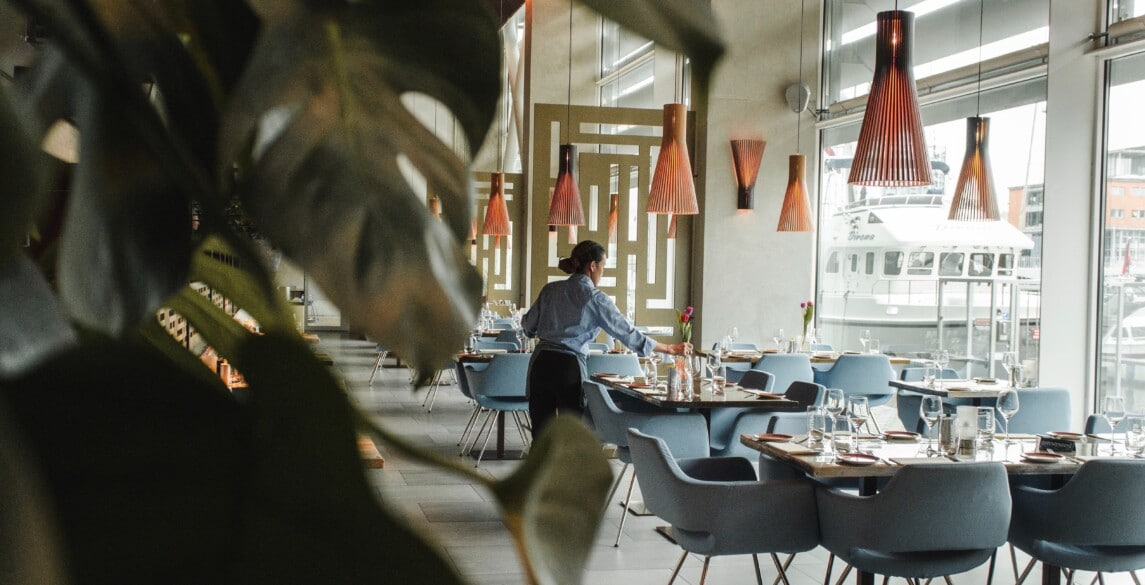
(733, 396)
(818, 357)
(955, 388)
(893, 455)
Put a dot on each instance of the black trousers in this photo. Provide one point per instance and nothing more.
(553, 387)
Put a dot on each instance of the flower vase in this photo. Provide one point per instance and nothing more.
(804, 344)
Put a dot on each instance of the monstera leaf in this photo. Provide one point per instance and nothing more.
(325, 185)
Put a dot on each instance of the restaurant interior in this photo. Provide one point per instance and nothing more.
(906, 240)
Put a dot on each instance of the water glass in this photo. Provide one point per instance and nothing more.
(873, 346)
(650, 374)
(928, 374)
(816, 426)
(1135, 434)
(719, 379)
(985, 427)
(843, 436)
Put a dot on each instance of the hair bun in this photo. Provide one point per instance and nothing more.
(567, 265)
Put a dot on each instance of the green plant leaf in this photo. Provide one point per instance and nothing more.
(145, 468)
(553, 502)
(687, 26)
(326, 187)
(23, 167)
(313, 517)
(249, 288)
(33, 327)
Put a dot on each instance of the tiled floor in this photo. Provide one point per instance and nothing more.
(464, 521)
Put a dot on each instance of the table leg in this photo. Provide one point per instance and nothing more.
(867, 487)
(501, 435)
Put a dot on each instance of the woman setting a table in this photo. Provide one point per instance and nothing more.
(567, 315)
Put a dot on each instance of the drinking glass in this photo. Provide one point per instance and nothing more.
(985, 427)
(650, 374)
(1009, 362)
(1135, 434)
(835, 402)
(733, 334)
(1007, 405)
(779, 338)
(843, 436)
(1113, 409)
(520, 338)
(928, 374)
(874, 346)
(816, 426)
(719, 379)
(930, 410)
(713, 363)
(941, 360)
(865, 337)
(858, 411)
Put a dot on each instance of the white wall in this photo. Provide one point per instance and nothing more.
(747, 274)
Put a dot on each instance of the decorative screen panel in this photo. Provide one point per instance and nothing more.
(647, 274)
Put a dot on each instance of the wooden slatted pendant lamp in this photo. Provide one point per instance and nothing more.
(496, 213)
(673, 192)
(795, 215)
(565, 207)
(613, 216)
(891, 151)
(974, 198)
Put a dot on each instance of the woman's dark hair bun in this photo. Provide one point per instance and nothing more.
(567, 265)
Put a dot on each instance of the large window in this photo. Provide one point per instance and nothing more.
(1122, 310)
(976, 282)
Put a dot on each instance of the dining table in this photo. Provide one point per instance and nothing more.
(881, 456)
(816, 357)
(733, 396)
(975, 389)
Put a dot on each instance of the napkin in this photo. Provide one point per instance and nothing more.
(914, 460)
(794, 449)
(761, 393)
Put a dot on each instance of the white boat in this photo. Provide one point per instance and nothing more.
(890, 257)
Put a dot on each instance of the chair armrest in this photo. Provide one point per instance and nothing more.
(717, 468)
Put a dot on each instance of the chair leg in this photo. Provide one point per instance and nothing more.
(679, 564)
(468, 426)
(830, 564)
(1100, 579)
(1019, 579)
(615, 484)
(624, 515)
(377, 366)
(843, 577)
(476, 436)
(704, 571)
(989, 571)
(781, 568)
(1068, 575)
(887, 579)
(758, 573)
(948, 582)
(488, 435)
(1133, 574)
(786, 565)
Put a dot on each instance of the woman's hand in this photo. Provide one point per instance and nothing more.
(675, 348)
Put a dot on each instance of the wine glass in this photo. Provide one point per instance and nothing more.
(1113, 410)
(859, 411)
(520, 339)
(713, 364)
(733, 334)
(779, 338)
(865, 338)
(1007, 406)
(930, 410)
(941, 360)
(835, 402)
(1009, 362)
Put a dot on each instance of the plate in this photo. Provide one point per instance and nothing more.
(605, 375)
(1041, 457)
(856, 459)
(1065, 435)
(900, 436)
(773, 437)
(639, 385)
(986, 380)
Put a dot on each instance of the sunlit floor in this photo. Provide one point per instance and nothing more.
(466, 524)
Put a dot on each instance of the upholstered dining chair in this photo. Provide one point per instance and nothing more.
(716, 506)
(1095, 522)
(486, 345)
(1095, 423)
(758, 380)
(500, 389)
(727, 424)
(866, 375)
(907, 402)
(508, 336)
(686, 432)
(1041, 410)
(735, 370)
(786, 368)
(913, 528)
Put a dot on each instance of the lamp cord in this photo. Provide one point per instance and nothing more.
(799, 115)
(981, 25)
(568, 102)
(504, 113)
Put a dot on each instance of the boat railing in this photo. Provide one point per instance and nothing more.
(1012, 290)
(898, 200)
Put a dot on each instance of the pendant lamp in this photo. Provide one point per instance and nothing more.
(673, 191)
(496, 213)
(613, 216)
(746, 156)
(565, 206)
(892, 150)
(796, 213)
(435, 206)
(974, 198)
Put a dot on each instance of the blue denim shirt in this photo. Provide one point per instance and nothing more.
(573, 311)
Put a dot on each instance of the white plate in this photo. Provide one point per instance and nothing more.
(900, 436)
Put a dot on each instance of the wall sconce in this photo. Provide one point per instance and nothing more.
(746, 155)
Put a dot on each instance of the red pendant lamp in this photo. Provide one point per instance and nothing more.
(565, 207)
(892, 150)
(496, 213)
(974, 198)
(673, 192)
(613, 216)
(795, 216)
